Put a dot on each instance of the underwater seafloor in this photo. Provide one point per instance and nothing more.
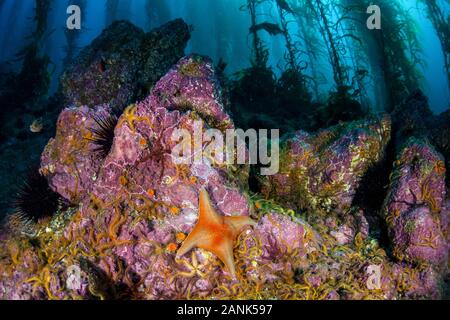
(105, 212)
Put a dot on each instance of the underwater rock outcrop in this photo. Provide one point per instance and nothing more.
(136, 206)
(414, 118)
(70, 160)
(415, 207)
(322, 171)
(133, 207)
(118, 68)
(140, 159)
(123, 63)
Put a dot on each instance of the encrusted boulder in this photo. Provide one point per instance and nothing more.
(122, 64)
(414, 118)
(322, 171)
(70, 161)
(278, 243)
(415, 207)
(141, 163)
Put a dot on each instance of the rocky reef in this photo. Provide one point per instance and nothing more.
(127, 213)
(133, 208)
(415, 206)
(118, 68)
(413, 118)
(323, 171)
(123, 63)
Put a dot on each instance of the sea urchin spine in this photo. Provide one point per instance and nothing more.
(35, 199)
(103, 135)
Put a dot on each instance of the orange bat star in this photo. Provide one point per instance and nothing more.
(215, 233)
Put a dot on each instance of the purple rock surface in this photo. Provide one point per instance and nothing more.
(323, 171)
(70, 161)
(123, 63)
(415, 208)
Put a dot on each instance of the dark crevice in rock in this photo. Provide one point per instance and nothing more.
(372, 192)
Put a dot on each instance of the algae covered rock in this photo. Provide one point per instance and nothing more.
(322, 171)
(70, 160)
(415, 205)
(414, 118)
(123, 63)
(132, 207)
(136, 205)
(141, 160)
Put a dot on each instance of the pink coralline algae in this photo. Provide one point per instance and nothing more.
(70, 161)
(323, 171)
(415, 208)
(445, 222)
(141, 162)
(127, 213)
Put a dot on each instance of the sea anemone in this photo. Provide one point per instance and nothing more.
(35, 199)
(103, 135)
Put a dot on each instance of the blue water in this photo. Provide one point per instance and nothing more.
(220, 31)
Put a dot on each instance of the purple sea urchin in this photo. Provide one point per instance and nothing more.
(35, 199)
(103, 135)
